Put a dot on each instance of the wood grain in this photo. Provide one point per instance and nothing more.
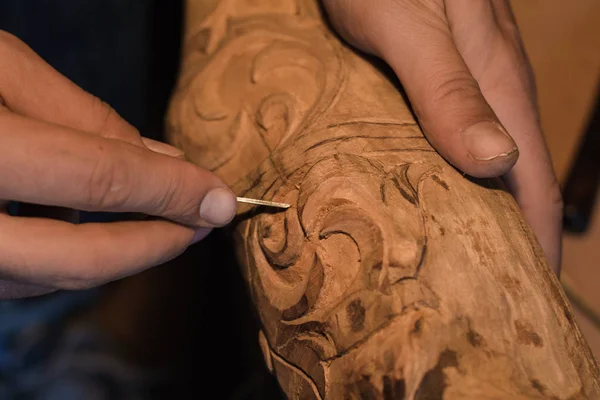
(392, 275)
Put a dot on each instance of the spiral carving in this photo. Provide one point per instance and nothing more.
(346, 240)
(260, 80)
(391, 275)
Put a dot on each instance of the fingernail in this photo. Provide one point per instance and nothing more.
(486, 141)
(218, 207)
(200, 234)
(163, 148)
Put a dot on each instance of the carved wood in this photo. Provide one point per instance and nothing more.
(392, 275)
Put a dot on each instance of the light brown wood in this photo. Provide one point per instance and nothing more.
(392, 275)
(562, 43)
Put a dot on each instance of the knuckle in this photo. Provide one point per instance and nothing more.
(509, 28)
(174, 202)
(8, 41)
(10, 63)
(454, 88)
(556, 198)
(14, 53)
(353, 20)
(103, 111)
(106, 122)
(165, 205)
(108, 183)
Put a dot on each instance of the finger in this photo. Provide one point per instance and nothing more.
(163, 148)
(57, 166)
(490, 44)
(12, 290)
(30, 86)
(59, 255)
(417, 43)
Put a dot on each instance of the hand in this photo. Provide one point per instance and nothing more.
(60, 146)
(465, 71)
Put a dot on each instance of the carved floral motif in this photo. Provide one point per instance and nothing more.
(379, 279)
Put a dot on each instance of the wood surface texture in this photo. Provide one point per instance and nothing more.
(392, 275)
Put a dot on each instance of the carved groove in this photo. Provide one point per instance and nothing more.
(391, 274)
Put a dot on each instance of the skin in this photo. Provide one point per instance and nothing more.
(62, 147)
(467, 76)
(461, 62)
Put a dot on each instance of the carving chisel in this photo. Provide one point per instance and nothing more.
(263, 203)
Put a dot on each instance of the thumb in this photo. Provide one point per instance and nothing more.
(453, 113)
(92, 173)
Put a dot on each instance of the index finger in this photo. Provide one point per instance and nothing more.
(58, 166)
(31, 87)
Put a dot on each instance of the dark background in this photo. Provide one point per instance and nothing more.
(192, 315)
(124, 51)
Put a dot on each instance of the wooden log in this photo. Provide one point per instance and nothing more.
(392, 275)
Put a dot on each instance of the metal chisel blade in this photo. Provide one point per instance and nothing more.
(263, 203)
